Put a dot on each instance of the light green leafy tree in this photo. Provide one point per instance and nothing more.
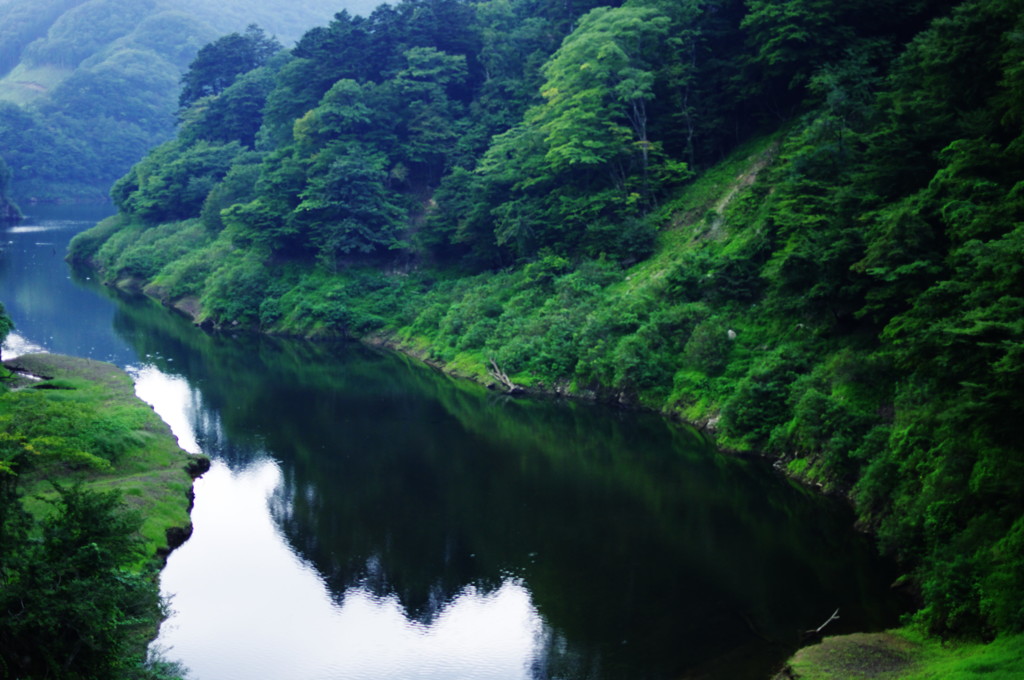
(597, 88)
(578, 170)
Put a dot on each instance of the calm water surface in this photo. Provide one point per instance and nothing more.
(368, 518)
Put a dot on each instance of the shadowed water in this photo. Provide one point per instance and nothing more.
(367, 517)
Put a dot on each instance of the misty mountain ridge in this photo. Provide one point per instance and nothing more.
(88, 86)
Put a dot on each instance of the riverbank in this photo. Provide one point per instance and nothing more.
(94, 494)
(716, 328)
(77, 399)
(906, 654)
(854, 654)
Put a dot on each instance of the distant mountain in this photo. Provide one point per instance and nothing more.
(88, 86)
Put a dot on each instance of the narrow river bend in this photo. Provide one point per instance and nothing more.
(366, 517)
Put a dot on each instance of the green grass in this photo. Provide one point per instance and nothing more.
(797, 467)
(93, 430)
(696, 210)
(1001, 659)
(908, 654)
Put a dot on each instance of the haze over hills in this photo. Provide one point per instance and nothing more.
(87, 86)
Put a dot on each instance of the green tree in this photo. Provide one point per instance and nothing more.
(346, 206)
(71, 602)
(218, 64)
(6, 326)
(173, 182)
(597, 88)
(579, 170)
(234, 115)
(429, 116)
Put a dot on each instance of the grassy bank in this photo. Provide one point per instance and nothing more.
(907, 654)
(94, 492)
(101, 436)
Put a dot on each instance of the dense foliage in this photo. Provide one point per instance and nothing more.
(798, 223)
(70, 605)
(6, 325)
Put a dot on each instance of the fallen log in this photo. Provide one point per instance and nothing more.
(503, 378)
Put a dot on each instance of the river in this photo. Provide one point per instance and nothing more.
(366, 517)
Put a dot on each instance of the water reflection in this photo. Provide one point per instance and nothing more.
(245, 605)
(179, 405)
(368, 518)
(643, 553)
(15, 345)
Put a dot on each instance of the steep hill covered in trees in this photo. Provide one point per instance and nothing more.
(797, 223)
(88, 86)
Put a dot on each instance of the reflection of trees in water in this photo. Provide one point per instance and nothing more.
(645, 552)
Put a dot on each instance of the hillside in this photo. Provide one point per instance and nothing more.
(88, 86)
(796, 224)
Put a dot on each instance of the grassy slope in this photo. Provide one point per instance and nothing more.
(695, 220)
(151, 473)
(436, 316)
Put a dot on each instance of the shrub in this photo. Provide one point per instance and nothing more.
(236, 290)
(760, 402)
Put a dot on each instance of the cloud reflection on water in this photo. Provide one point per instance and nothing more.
(238, 573)
(15, 346)
(172, 398)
